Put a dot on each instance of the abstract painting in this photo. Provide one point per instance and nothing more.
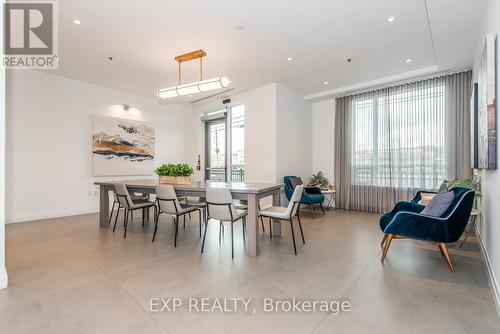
(122, 146)
(487, 131)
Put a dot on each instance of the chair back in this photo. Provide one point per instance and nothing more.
(167, 199)
(294, 203)
(220, 204)
(457, 215)
(123, 195)
(290, 183)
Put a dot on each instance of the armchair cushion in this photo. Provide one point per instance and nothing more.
(439, 204)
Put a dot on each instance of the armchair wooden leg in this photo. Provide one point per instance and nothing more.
(383, 240)
(444, 251)
(386, 246)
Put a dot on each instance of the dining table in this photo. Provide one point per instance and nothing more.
(250, 192)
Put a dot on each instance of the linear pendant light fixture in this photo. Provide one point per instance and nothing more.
(194, 87)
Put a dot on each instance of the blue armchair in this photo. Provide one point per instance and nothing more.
(311, 195)
(405, 221)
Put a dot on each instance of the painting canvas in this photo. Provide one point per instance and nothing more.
(122, 146)
(487, 132)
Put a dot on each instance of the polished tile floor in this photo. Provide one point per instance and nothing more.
(69, 276)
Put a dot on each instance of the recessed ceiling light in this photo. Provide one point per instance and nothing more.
(391, 19)
(289, 59)
(409, 60)
(240, 27)
(325, 83)
(76, 21)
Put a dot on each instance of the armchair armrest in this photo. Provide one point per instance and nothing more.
(408, 206)
(312, 190)
(417, 226)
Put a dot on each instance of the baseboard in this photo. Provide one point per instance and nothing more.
(50, 214)
(4, 280)
(491, 273)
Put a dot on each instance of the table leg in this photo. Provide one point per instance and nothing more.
(103, 207)
(253, 226)
(277, 224)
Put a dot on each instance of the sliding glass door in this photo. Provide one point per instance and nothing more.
(225, 144)
(215, 150)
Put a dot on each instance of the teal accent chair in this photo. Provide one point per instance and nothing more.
(311, 196)
(406, 221)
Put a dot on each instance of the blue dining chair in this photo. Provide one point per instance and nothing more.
(310, 196)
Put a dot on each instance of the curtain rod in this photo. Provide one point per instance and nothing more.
(402, 82)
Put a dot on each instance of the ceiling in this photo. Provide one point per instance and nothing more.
(143, 37)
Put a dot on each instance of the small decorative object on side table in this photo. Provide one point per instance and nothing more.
(329, 194)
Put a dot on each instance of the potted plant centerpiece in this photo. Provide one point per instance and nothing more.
(174, 173)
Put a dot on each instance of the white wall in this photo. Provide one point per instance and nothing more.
(323, 126)
(489, 226)
(49, 128)
(293, 134)
(260, 132)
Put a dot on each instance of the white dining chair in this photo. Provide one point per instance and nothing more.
(220, 207)
(168, 203)
(126, 202)
(286, 213)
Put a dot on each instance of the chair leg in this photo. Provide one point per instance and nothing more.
(112, 210)
(301, 232)
(232, 241)
(270, 229)
(262, 223)
(322, 208)
(199, 220)
(125, 222)
(132, 216)
(176, 230)
(444, 251)
(220, 231)
(293, 237)
(204, 235)
(116, 217)
(184, 221)
(143, 215)
(386, 247)
(157, 218)
(383, 240)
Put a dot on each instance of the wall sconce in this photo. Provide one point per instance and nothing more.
(125, 107)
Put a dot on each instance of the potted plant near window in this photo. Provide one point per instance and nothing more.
(319, 180)
(174, 173)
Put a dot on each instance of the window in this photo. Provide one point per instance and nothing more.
(237, 143)
(399, 137)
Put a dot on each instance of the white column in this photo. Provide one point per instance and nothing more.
(3, 270)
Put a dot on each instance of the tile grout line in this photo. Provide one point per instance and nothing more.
(114, 280)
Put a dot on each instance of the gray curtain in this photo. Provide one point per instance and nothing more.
(393, 141)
